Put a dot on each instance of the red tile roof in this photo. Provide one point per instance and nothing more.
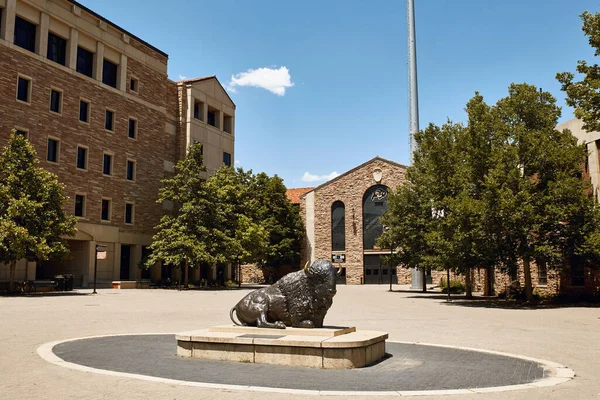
(294, 194)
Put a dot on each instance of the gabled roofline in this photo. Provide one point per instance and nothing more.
(352, 170)
(100, 17)
(205, 78)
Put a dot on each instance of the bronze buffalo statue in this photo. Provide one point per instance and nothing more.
(299, 299)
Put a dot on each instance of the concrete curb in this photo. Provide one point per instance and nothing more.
(557, 374)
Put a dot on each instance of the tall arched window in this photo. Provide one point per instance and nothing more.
(374, 206)
(338, 226)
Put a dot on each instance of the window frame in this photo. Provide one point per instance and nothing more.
(135, 133)
(89, 110)
(84, 206)
(57, 140)
(134, 173)
(21, 129)
(104, 80)
(112, 163)
(230, 159)
(87, 157)
(135, 79)
(66, 40)
(113, 121)
(35, 38)
(29, 88)
(110, 207)
(78, 58)
(132, 204)
(60, 92)
(338, 204)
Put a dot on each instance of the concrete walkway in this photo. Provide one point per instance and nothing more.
(569, 336)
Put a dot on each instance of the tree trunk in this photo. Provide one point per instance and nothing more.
(448, 282)
(527, 273)
(424, 274)
(186, 275)
(468, 285)
(13, 267)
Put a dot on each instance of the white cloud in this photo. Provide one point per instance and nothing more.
(237, 161)
(271, 79)
(308, 177)
(182, 77)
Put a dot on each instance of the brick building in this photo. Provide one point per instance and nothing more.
(96, 103)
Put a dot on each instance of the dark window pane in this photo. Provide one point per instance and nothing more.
(107, 167)
(81, 157)
(25, 34)
(227, 159)
(57, 49)
(577, 272)
(108, 124)
(130, 170)
(85, 62)
(196, 111)
(79, 205)
(211, 118)
(128, 213)
(133, 85)
(52, 150)
(338, 226)
(132, 126)
(20, 133)
(105, 210)
(55, 101)
(23, 89)
(83, 111)
(109, 73)
(374, 206)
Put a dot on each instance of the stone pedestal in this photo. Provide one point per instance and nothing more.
(330, 348)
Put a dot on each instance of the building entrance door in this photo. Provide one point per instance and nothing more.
(125, 261)
(376, 272)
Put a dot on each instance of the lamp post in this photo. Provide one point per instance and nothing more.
(98, 246)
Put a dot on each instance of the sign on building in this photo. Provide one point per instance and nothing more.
(101, 255)
(338, 258)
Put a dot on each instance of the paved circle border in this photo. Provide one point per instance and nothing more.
(557, 373)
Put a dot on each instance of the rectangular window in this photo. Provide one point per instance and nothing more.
(79, 205)
(211, 117)
(227, 159)
(105, 212)
(25, 33)
(107, 164)
(109, 73)
(128, 213)
(24, 89)
(55, 101)
(82, 157)
(53, 148)
(84, 111)
(133, 84)
(85, 62)
(130, 173)
(109, 123)
(132, 128)
(199, 110)
(21, 132)
(542, 274)
(57, 49)
(228, 123)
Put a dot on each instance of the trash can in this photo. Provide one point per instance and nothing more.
(60, 282)
(68, 282)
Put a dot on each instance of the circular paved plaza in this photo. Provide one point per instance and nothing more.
(561, 335)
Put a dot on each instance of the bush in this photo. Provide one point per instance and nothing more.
(456, 286)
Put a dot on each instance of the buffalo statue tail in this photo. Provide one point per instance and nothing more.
(232, 319)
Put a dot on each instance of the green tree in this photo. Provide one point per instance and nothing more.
(584, 95)
(33, 224)
(281, 220)
(184, 236)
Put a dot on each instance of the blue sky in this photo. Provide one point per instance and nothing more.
(347, 63)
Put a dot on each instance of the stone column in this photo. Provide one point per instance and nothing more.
(72, 49)
(116, 262)
(42, 37)
(8, 20)
(135, 273)
(88, 276)
(99, 61)
(122, 73)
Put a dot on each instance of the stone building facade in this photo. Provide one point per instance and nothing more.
(96, 103)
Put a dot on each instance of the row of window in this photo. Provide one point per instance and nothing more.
(213, 117)
(25, 36)
(24, 87)
(105, 209)
(53, 152)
